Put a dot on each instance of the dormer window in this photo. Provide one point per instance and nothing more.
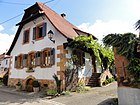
(26, 36)
(39, 31)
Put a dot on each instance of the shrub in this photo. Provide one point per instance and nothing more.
(58, 83)
(107, 81)
(35, 83)
(52, 92)
(82, 88)
(65, 93)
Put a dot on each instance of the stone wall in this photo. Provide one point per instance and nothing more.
(12, 82)
(61, 64)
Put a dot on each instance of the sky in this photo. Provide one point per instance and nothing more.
(98, 17)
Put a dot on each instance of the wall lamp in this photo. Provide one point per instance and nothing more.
(50, 36)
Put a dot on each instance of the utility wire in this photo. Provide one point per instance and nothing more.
(10, 19)
(48, 1)
(5, 2)
(21, 13)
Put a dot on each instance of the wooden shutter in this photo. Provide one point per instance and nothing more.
(42, 58)
(37, 58)
(16, 62)
(44, 29)
(52, 57)
(25, 60)
(34, 33)
(21, 61)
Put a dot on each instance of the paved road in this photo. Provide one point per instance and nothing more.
(96, 96)
(6, 98)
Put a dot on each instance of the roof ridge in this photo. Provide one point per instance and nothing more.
(64, 26)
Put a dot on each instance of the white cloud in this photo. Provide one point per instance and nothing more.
(14, 29)
(5, 40)
(101, 28)
(1, 28)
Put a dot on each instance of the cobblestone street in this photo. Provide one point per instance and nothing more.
(96, 96)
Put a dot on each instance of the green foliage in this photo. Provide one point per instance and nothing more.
(52, 92)
(58, 83)
(107, 81)
(65, 93)
(125, 43)
(134, 68)
(87, 44)
(111, 80)
(82, 88)
(126, 46)
(35, 83)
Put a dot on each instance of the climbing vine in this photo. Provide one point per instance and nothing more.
(126, 45)
(88, 44)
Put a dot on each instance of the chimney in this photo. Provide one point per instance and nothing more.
(63, 15)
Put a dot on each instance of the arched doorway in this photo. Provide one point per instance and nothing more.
(29, 86)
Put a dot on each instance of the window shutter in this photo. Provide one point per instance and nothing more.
(44, 29)
(52, 62)
(37, 58)
(34, 33)
(16, 63)
(21, 63)
(41, 58)
(25, 60)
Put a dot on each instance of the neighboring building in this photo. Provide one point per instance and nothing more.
(4, 64)
(38, 50)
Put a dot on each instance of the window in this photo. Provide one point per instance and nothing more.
(48, 58)
(25, 60)
(38, 58)
(80, 55)
(26, 36)
(19, 61)
(39, 31)
(31, 59)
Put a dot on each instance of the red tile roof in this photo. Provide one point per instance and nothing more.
(61, 24)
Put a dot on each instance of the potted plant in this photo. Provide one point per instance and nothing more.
(36, 86)
(30, 69)
(18, 86)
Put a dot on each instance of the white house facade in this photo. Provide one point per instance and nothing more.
(35, 54)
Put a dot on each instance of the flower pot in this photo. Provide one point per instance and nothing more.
(18, 88)
(36, 89)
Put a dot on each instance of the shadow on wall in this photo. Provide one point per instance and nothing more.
(110, 101)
